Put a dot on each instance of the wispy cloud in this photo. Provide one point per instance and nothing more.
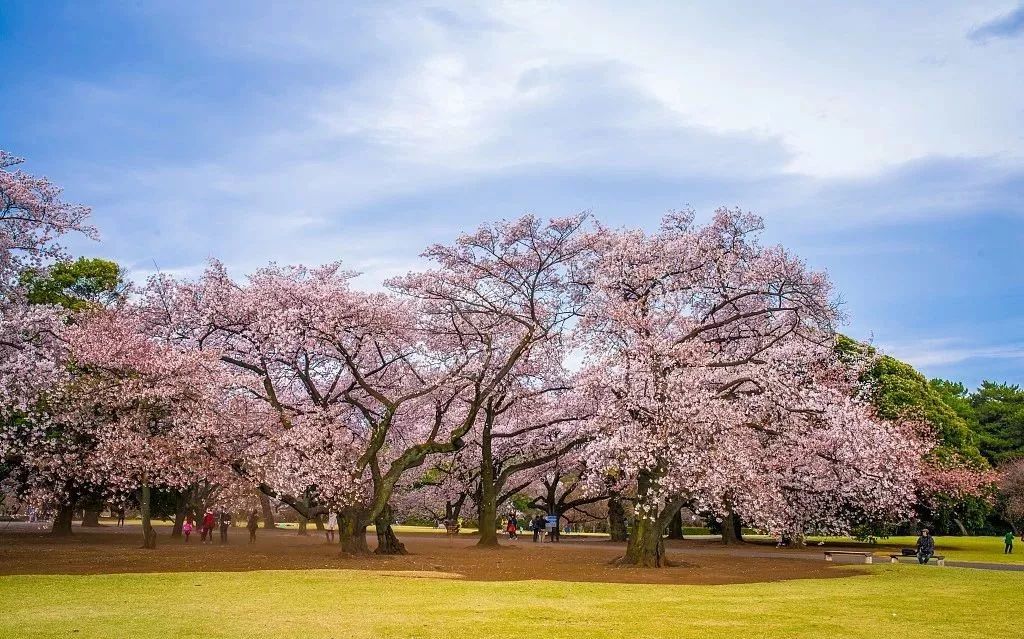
(938, 352)
(1008, 25)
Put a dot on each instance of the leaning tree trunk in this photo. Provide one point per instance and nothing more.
(732, 529)
(62, 520)
(960, 526)
(91, 517)
(268, 511)
(675, 527)
(148, 533)
(387, 541)
(352, 532)
(616, 519)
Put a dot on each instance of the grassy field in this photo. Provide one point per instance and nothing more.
(903, 601)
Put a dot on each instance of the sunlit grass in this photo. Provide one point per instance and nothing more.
(896, 601)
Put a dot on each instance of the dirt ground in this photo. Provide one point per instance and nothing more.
(113, 550)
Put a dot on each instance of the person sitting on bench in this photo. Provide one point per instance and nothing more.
(925, 547)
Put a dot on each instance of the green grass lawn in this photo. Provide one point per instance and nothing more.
(894, 601)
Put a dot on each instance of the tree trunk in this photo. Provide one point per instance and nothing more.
(268, 511)
(180, 512)
(62, 520)
(732, 529)
(179, 522)
(488, 523)
(675, 527)
(645, 548)
(488, 513)
(302, 526)
(352, 532)
(318, 521)
(148, 534)
(616, 519)
(91, 517)
(387, 541)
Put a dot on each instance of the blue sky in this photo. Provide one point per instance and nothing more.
(884, 143)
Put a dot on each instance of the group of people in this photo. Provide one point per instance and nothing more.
(209, 521)
(539, 526)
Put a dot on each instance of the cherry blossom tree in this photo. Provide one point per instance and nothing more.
(1011, 491)
(33, 218)
(530, 424)
(712, 367)
(561, 490)
(366, 386)
(144, 405)
(504, 297)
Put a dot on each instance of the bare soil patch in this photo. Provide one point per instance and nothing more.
(112, 550)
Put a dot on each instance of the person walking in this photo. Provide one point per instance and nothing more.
(225, 523)
(186, 528)
(925, 547)
(252, 525)
(207, 530)
(1008, 543)
(332, 527)
(512, 527)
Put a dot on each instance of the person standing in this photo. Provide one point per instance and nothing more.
(925, 547)
(208, 523)
(1008, 543)
(252, 525)
(332, 527)
(187, 527)
(225, 523)
(120, 516)
(538, 528)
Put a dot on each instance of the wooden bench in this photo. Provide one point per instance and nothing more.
(868, 557)
(940, 560)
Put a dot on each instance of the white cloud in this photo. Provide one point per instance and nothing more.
(936, 352)
(847, 91)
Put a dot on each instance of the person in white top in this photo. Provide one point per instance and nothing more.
(332, 526)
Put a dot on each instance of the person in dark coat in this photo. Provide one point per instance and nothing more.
(925, 547)
(252, 525)
(538, 527)
(225, 523)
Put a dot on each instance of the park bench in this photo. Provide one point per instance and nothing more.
(940, 560)
(868, 557)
